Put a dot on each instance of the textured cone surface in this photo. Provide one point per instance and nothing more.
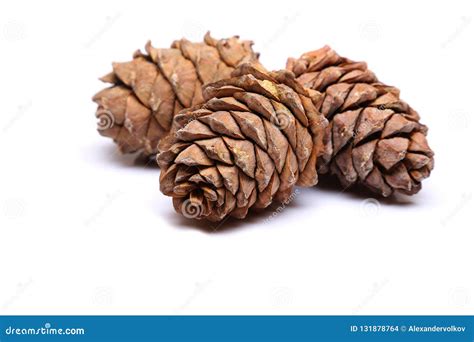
(373, 138)
(257, 135)
(146, 93)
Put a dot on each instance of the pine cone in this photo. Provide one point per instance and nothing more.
(137, 110)
(373, 138)
(257, 135)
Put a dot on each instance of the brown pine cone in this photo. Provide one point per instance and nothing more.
(373, 138)
(137, 110)
(257, 135)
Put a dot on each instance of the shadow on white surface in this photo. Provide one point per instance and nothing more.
(330, 184)
(255, 218)
(109, 154)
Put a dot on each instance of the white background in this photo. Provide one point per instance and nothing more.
(84, 230)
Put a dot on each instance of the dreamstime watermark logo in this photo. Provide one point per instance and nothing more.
(459, 119)
(19, 291)
(109, 22)
(191, 209)
(105, 119)
(282, 296)
(370, 30)
(283, 205)
(374, 291)
(199, 288)
(47, 329)
(370, 207)
(14, 31)
(20, 112)
(465, 21)
(110, 198)
(460, 297)
(464, 200)
(14, 208)
(283, 26)
(192, 30)
(282, 120)
(103, 296)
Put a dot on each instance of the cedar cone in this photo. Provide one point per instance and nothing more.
(373, 137)
(257, 135)
(137, 110)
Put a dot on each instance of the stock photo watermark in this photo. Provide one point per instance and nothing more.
(109, 22)
(283, 26)
(370, 30)
(46, 329)
(459, 120)
(105, 119)
(19, 113)
(14, 208)
(199, 288)
(464, 23)
(283, 206)
(460, 297)
(376, 288)
(281, 296)
(191, 209)
(14, 31)
(108, 201)
(103, 296)
(460, 205)
(283, 120)
(369, 207)
(192, 30)
(20, 290)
